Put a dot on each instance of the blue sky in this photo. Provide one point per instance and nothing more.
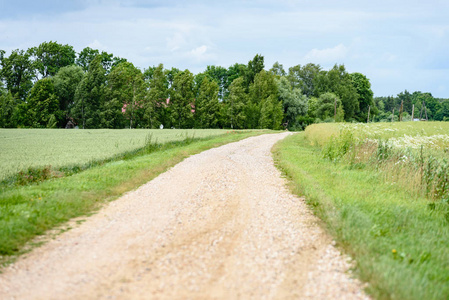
(398, 45)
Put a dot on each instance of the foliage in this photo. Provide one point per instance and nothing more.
(155, 106)
(89, 96)
(220, 76)
(92, 94)
(43, 105)
(339, 82)
(126, 90)
(66, 82)
(365, 96)
(304, 78)
(207, 105)
(293, 101)
(182, 100)
(18, 72)
(265, 110)
(235, 71)
(49, 57)
(8, 105)
(237, 101)
(255, 66)
(329, 106)
(278, 70)
(423, 106)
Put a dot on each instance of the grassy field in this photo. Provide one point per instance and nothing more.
(36, 148)
(320, 133)
(31, 210)
(386, 203)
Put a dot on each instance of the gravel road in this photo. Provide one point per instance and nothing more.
(219, 225)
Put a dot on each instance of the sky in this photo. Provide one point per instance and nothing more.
(399, 45)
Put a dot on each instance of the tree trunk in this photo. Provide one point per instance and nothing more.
(369, 110)
(335, 109)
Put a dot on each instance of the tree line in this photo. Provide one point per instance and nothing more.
(52, 86)
(406, 105)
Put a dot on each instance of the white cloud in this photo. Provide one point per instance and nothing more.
(97, 45)
(328, 55)
(175, 42)
(199, 52)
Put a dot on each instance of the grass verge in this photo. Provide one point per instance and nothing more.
(400, 243)
(29, 211)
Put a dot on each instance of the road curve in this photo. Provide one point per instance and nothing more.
(219, 225)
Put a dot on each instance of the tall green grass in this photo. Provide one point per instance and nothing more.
(31, 210)
(418, 163)
(399, 238)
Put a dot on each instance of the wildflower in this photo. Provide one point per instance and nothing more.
(394, 251)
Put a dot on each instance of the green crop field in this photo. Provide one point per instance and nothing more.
(383, 191)
(24, 148)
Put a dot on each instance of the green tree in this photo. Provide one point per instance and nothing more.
(207, 105)
(312, 107)
(171, 74)
(149, 73)
(304, 77)
(264, 109)
(255, 66)
(278, 70)
(89, 96)
(181, 99)
(155, 107)
(43, 105)
(7, 107)
(51, 56)
(338, 81)
(326, 107)
(293, 101)
(443, 113)
(18, 73)
(87, 55)
(271, 113)
(365, 96)
(390, 103)
(126, 88)
(431, 104)
(235, 71)
(117, 61)
(406, 98)
(66, 82)
(236, 104)
(220, 76)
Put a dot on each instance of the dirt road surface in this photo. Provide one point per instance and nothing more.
(219, 225)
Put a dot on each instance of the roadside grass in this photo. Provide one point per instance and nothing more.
(29, 211)
(398, 239)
